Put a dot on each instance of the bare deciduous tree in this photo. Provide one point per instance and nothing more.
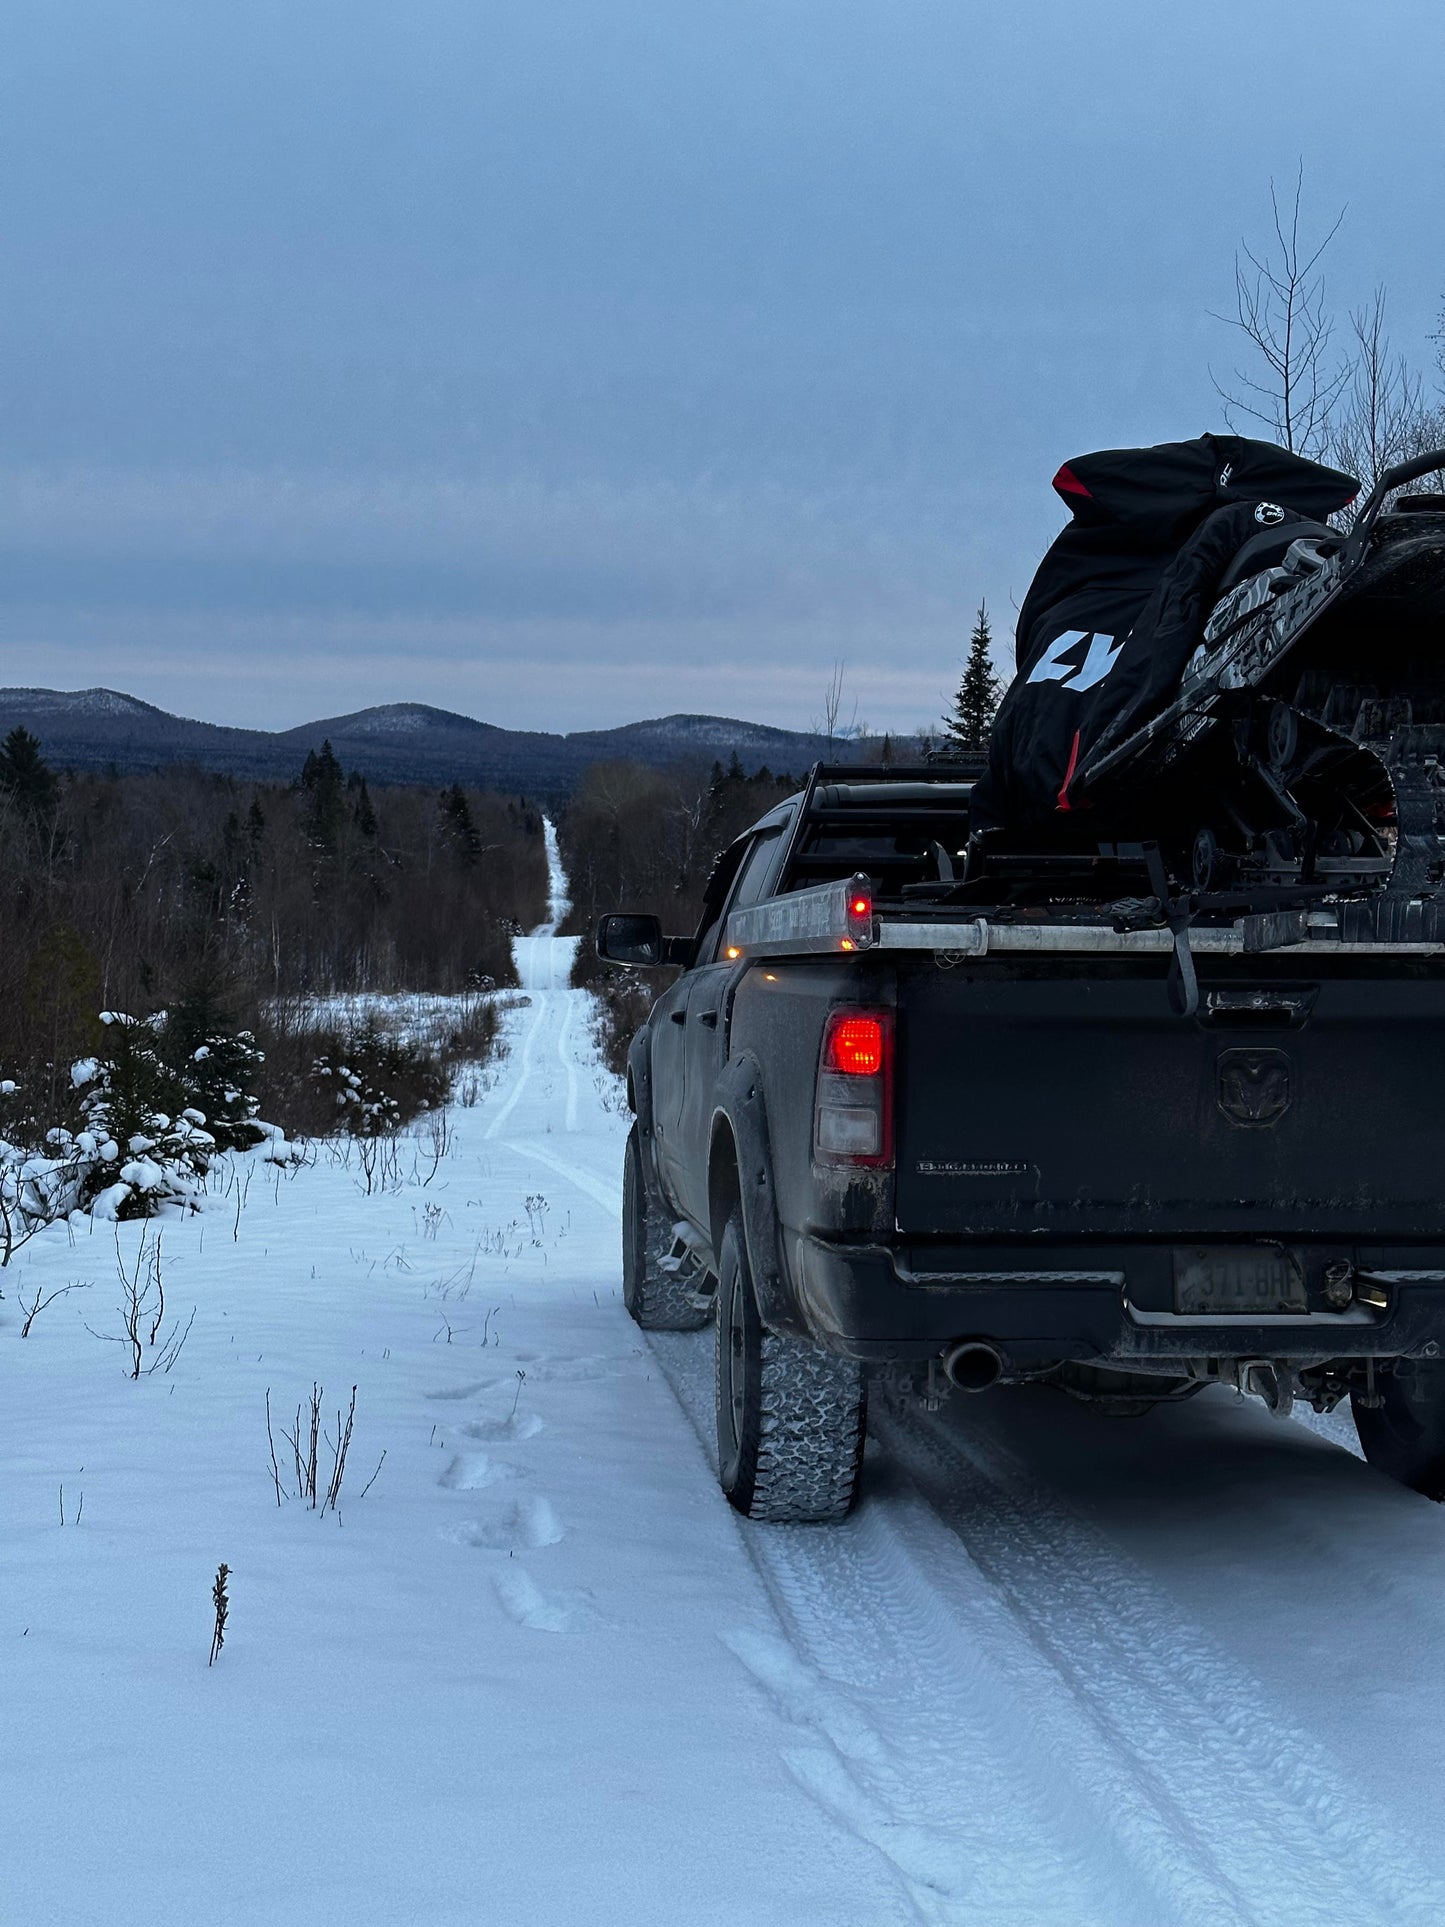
(1292, 382)
(833, 707)
(1383, 416)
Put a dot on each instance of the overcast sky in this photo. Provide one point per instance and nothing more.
(570, 361)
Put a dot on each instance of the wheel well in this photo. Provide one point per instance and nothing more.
(724, 1187)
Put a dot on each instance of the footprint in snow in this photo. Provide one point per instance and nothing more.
(462, 1391)
(528, 1524)
(510, 1425)
(470, 1471)
(524, 1602)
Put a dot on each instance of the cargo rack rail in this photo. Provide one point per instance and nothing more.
(843, 917)
(853, 916)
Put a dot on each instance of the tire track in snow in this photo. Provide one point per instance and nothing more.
(608, 1195)
(524, 1069)
(567, 1059)
(1005, 1707)
(1272, 1837)
(900, 1671)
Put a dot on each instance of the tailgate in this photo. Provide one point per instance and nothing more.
(1081, 1105)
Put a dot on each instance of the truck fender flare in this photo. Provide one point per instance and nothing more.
(740, 1170)
(639, 1096)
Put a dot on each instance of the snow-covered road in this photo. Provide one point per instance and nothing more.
(1056, 1669)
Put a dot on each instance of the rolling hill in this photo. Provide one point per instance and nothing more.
(98, 729)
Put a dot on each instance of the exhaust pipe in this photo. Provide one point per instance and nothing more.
(972, 1365)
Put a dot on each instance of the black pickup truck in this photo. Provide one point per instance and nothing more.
(894, 1118)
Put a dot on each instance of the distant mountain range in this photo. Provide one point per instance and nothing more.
(99, 729)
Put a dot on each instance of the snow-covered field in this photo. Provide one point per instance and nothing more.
(1056, 1670)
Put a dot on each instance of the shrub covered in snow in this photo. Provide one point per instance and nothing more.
(378, 1080)
(143, 1146)
(216, 1067)
(140, 1135)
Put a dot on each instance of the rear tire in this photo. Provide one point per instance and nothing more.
(1404, 1435)
(790, 1416)
(657, 1299)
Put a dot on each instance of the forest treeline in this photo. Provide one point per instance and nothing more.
(634, 838)
(134, 893)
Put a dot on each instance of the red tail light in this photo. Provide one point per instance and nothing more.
(854, 1045)
(853, 1117)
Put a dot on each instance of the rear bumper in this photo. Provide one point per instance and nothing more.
(1105, 1303)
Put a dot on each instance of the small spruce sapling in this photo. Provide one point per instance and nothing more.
(215, 1065)
(144, 1148)
(222, 1604)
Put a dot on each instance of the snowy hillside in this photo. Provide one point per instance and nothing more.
(531, 1669)
(101, 729)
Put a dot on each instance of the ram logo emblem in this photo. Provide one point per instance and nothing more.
(1254, 1087)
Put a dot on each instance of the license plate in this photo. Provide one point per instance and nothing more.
(1242, 1278)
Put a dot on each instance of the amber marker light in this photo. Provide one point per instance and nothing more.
(733, 951)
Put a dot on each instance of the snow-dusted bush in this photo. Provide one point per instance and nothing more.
(378, 1080)
(149, 1111)
(144, 1147)
(216, 1066)
(362, 1109)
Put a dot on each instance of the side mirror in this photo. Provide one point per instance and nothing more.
(635, 942)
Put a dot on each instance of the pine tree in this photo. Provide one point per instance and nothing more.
(325, 781)
(215, 1065)
(457, 824)
(26, 777)
(364, 814)
(143, 1146)
(966, 730)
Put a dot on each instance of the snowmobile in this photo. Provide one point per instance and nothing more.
(1212, 673)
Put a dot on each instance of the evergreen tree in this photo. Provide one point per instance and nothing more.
(215, 1065)
(143, 1146)
(364, 815)
(26, 778)
(323, 778)
(966, 730)
(458, 827)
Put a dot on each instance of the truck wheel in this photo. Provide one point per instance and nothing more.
(789, 1415)
(1404, 1435)
(659, 1300)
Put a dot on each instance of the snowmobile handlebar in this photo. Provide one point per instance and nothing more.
(1397, 477)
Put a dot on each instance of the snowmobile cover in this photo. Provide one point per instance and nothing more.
(1119, 603)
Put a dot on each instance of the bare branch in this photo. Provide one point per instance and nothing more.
(1281, 310)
